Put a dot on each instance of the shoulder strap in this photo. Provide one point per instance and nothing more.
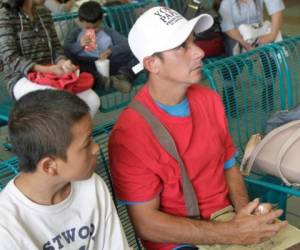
(167, 142)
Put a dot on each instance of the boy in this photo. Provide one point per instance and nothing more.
(109, 45)
(56, 201)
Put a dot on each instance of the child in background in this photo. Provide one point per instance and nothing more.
(57, 201)
(109, 45)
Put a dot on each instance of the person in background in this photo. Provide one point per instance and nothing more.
(234, 13)
(28, 43)
(57, 201)
(109, 44)
(59, 6)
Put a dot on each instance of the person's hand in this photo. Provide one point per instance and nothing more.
(105, 55)
(263, 208)
(253, 228)
(56, 69)
(248, 47)
(266, 39)
(85, 41)
(67, 66)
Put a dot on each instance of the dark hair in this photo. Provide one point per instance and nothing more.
(13, 4)
(40, 125)
(90, 12)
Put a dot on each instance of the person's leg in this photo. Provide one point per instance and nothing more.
(24, 86)
(92, 99)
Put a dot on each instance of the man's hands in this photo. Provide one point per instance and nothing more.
(251, 228)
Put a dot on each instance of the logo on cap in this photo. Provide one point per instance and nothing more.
(168, 16)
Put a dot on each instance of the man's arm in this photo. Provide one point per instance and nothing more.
(237, 190)
(153, 225)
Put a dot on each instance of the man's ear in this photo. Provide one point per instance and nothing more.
(151, 63)
(48, 165)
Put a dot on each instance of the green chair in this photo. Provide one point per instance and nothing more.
(289, 56)
(112, 99)
(6, 101)
(180, 5)
(253, 85)
(64, 22)
(122, 17)
(101, 135)
(8, 170)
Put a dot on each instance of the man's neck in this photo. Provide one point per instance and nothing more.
(167, 93)
(40, 190)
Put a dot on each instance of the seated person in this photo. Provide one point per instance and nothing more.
(57, 201)
(59, 6)
(29, 43)
(149, 180)
(109, 45)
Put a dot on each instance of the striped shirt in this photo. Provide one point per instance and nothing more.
(24, 42)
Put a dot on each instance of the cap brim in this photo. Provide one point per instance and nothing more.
(197, 24)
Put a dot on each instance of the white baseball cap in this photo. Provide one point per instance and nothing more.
(160, 29)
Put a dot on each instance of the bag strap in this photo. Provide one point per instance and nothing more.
(265, 140)
(167, 142)
(283, 150)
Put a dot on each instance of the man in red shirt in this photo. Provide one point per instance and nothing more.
(148, 179)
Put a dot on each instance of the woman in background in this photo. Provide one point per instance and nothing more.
(28, 42)
(236, 12)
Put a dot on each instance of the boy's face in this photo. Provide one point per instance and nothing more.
(81, 154)
(182, 64)
(86, 25)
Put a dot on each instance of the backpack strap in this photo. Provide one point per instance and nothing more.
(167, 142)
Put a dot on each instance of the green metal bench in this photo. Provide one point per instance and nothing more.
(122, 17)
(5, 101)
(254, 85)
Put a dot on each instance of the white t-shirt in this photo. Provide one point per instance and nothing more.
(86, 219)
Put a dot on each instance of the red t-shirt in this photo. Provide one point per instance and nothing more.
(142, 170)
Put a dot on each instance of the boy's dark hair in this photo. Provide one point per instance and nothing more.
(90, 12)
(40, 125)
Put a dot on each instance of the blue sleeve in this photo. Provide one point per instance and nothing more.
(274, 6)
(120, 43)
(231, 162)
(71, 43)
(225, 12)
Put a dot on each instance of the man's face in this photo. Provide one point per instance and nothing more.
(81, 154)
(86, 25)
(183, 63)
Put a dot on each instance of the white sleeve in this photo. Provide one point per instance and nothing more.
(225, 12)
(274, 6)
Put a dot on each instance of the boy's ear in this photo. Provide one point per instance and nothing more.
(48, 165)
(151, 63)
